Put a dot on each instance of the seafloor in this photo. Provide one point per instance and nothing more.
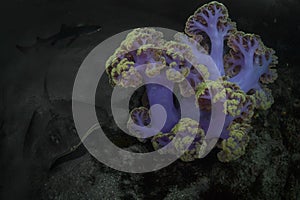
(36, 128)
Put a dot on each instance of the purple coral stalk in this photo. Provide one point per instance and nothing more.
(212, 19)
(254, 60)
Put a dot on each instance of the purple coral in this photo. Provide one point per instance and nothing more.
(190, 62)
(212, 19)
(253, 58)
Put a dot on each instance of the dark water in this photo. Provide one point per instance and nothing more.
(24, 109)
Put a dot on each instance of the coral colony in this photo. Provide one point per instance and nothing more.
(244, 63)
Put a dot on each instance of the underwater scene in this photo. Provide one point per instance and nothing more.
(153, 99)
